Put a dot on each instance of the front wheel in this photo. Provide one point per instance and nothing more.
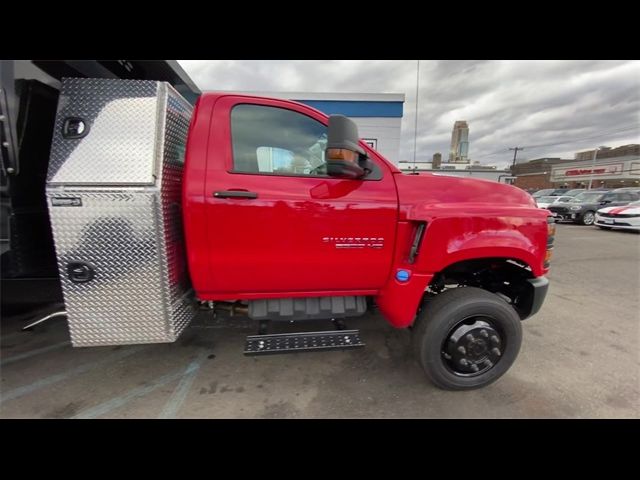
(466, 338)
(588, 218)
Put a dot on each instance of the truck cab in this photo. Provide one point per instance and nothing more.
(268, 221)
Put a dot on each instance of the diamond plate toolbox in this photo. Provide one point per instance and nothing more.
(114, 197)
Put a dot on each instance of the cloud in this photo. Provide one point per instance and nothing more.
(554, 107)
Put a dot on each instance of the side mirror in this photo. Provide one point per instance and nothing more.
(344, 154)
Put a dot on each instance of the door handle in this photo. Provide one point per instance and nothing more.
(234, 194)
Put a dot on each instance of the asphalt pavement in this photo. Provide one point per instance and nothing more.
(579, 359)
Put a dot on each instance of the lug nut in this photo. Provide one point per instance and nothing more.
(496, 351)
(488, 363)
(495, 340)
(484, 333)
(463, 362)
(470, 337)
(462, 350)
(474, 367)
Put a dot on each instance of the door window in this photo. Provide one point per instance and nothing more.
(276, 141)
(627, 197)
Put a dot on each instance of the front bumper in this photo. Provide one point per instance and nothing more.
(537, 294)
(622, 224)
(565, 216)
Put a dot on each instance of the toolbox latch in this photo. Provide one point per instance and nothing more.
(74, 127)
(80, 272)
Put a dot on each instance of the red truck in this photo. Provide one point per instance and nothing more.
(282, 214)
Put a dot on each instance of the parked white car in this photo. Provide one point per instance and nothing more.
(544, 202)
(626, 217)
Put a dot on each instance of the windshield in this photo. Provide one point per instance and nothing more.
(587, 197)
(546, 199)
(539, 193)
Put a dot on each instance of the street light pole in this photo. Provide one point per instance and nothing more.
(593, 165)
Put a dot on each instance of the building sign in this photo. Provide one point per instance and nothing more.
(579, 172)
(609, 169)
(372, 142)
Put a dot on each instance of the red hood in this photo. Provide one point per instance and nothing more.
(433, 192)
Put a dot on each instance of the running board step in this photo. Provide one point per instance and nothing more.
(302, 342)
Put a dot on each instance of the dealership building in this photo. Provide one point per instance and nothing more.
(613, 172)
(612, 168)
(378, 115)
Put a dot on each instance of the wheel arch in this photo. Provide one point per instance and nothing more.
(511, 278)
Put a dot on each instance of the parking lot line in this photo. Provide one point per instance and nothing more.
(180, 393)
(116, 402)
(33, 353)
(45, 382)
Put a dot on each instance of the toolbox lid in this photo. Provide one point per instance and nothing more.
(108, 132)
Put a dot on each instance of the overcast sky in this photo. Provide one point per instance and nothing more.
(572, 105)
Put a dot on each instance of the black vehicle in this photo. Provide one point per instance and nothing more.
(583, 207)
(542, 193)
(628, 189)
(549, 192)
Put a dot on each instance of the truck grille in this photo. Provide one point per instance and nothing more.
(558, 209)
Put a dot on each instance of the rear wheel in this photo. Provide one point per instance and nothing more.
(466, 338)
(588, 218)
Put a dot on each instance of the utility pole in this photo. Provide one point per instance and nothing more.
(515, 153)
(415, 128)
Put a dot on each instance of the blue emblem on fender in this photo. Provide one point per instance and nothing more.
(403, 275)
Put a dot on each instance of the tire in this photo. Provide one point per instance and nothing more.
(588, 218)
(447, 313)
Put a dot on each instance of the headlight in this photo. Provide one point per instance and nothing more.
(547, 257)
(576, 207)
(551, 233)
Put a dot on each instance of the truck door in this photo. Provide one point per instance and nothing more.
(276, 223)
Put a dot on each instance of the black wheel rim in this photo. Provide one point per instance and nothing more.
(473, 346)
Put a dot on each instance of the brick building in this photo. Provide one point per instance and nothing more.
(535, 174)
(608, 152)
